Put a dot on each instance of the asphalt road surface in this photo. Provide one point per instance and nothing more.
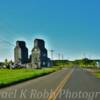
(67, 84)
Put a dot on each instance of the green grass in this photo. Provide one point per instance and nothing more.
(9, 77)
(97, 74)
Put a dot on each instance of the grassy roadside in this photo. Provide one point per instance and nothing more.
(97, 74)
(9, 77)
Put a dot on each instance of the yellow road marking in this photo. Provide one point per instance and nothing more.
(56, 92)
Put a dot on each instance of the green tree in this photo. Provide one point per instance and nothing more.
(6, 63)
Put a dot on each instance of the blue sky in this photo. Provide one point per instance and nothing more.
(71, 27)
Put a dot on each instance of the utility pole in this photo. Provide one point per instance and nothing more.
(62, 56)
(58, 56)
(62, 60)
(84, 55)
(52, 53)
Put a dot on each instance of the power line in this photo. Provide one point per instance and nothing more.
(5, 41)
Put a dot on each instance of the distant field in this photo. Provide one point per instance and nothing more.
(8, 77)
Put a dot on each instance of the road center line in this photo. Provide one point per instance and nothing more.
(56, 92)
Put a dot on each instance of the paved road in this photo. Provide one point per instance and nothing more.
(67, 84)
(37, 89)
(82, 86)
